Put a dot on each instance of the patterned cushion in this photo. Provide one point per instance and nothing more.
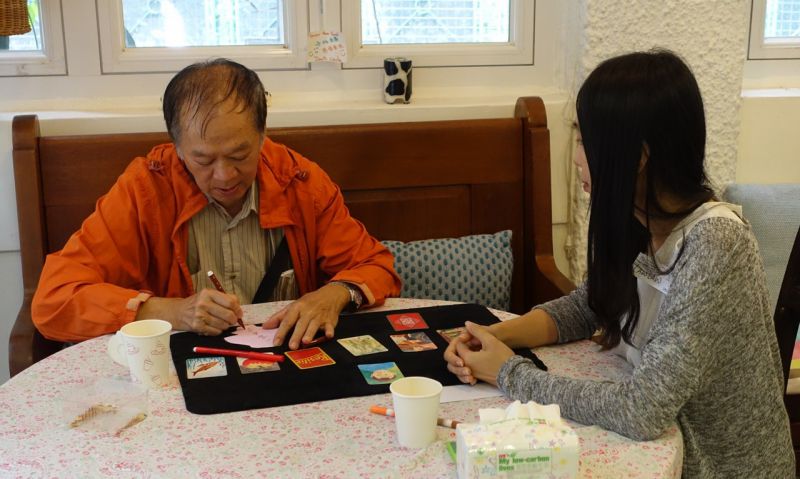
(472, 269)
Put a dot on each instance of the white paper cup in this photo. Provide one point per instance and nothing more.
(416, 408)
(143, 346)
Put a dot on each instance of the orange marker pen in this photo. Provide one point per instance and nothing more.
(387, 411)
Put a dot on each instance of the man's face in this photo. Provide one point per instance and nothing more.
(224, 161)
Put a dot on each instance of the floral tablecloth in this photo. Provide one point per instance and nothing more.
(331, 439)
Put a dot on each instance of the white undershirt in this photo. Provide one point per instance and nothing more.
(653, 288)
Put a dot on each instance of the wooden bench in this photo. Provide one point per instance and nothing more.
(404, 181)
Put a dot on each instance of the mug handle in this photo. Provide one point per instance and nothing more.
(116, 349)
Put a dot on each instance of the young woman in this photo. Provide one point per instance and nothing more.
(675, 284)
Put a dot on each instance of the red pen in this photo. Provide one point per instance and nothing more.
(219, 287)
(275, 358)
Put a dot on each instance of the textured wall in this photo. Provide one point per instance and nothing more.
(710, 36)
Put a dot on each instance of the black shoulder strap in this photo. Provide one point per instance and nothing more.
(276, 267)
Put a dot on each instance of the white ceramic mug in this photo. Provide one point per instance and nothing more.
(416, 408)
(143, 346)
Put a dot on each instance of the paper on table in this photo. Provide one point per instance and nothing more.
(464, 392)
(253, 336)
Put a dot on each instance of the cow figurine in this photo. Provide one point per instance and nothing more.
(397, 80)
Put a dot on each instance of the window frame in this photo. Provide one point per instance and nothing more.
(51, 60)
(758, 48)
(116, 58)
(518, 51)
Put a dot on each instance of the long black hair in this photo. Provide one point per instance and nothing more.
(639, 105)
(199, 88)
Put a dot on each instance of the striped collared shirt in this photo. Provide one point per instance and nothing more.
(236, 248)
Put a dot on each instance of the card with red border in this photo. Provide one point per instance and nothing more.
(406, 321)
(310, 358)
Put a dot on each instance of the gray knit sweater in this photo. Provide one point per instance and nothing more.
(710, 361)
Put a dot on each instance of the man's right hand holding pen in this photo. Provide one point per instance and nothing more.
(208, 312)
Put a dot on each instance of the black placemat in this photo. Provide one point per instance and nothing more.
(291, 385)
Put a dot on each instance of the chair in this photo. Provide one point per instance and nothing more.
(787, 320)
(774, 214)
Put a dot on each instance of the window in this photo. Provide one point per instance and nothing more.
(439, 32)
(27, 42)
(775, 29)
(182, 23)
(40, 51)
(166, 35)
(448, 21)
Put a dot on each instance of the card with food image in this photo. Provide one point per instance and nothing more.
(450, 333)
(206, 367)
(361, 345)
(310, 358)
(406, 321)
(380, 373)
(413, 342)
(249, 366)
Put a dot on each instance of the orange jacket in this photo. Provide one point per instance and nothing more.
(136, 239)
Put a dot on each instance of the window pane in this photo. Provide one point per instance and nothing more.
(31, 41)
(172, 23)
(434, 21)
(782, 19)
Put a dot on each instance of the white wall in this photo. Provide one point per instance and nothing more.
(711, 40)
(769, 142)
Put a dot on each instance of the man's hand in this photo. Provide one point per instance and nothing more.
(208, 312)
(476, 354)
(316, 310)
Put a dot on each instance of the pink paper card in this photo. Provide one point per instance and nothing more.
(253, 336)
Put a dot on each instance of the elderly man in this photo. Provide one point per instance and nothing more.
(221, 197)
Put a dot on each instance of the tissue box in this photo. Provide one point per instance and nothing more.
(525, 440)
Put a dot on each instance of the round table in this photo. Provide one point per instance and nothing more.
(330, 439)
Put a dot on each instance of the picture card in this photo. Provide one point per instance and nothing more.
(406, 321)
(206, 367)
(450, 333)
(413, 342)
(249, 366)
(380, 373)
(361, 345)
(310, 358)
